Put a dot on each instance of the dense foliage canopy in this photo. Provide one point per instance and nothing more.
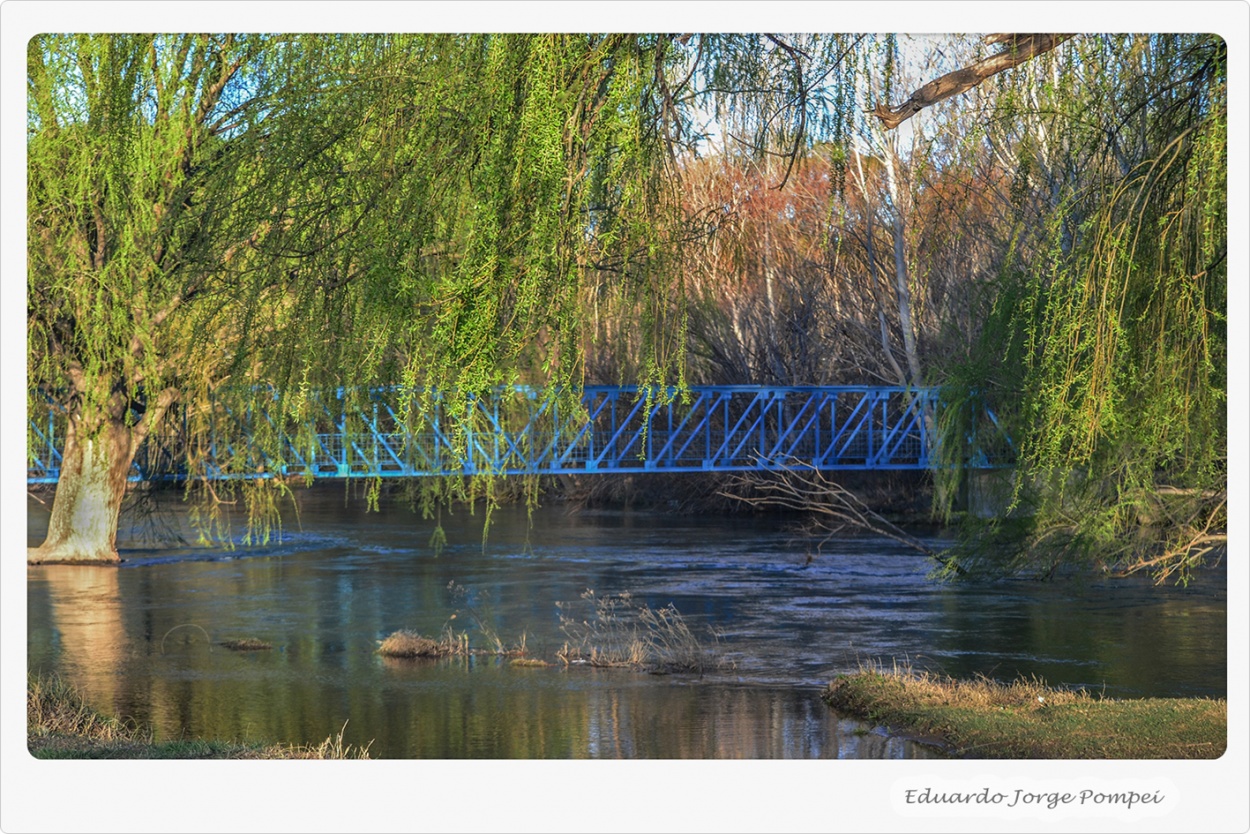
(214, 217)
(220, 220)
(1105, 346)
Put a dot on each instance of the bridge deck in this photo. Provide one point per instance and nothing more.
(519, 431)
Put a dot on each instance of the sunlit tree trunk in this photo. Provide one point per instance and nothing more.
(870, 248)
(1017, 48)
(95, 465)
(89, 493)
(775, 370)
(901, 199)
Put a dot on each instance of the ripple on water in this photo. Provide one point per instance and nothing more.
(327, 592)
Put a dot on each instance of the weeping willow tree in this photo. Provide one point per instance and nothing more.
(1105, 351)
(220, 222)
(124, 230)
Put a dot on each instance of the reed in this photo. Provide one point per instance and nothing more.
(622, 632)
(332, 748)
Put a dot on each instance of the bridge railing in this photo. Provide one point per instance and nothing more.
(522, 431)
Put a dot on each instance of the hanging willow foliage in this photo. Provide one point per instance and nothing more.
(1106, 350)
(278, 224)
(513, 165)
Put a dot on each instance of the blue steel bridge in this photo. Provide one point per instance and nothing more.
(518, 431)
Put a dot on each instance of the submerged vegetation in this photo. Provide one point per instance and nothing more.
(1027, 719)
(247, 644)
(61, 725)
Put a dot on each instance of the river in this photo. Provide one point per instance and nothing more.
(144, 641)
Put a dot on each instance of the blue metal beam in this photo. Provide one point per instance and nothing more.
(619, 429)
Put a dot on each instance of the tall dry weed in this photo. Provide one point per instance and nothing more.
(621, 631)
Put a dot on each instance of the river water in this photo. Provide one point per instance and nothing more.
(144, 640)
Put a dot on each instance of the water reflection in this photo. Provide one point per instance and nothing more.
(145, 640)
(85, 608)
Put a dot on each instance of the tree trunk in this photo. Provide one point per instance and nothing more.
(902, 279)
(89, 493)
(776, 370)
(873, 277)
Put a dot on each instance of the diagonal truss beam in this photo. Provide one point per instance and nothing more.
(617, 429)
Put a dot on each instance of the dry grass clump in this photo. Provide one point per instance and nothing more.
(60, 725)
(1027, 719)
(332, 748)
(632, 655)
(919, 688)
(405, 643)
(411, 644)
(621, 632)
(54, 708)
(247, 644)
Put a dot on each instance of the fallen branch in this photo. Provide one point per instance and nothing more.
(1202, 541)
(831, 507)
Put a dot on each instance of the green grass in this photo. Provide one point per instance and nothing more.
(1029, 720)
(60, 725)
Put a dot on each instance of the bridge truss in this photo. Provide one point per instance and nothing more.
(519, 431)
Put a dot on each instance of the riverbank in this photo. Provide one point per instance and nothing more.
(148, 639)
(60, 725)
(1029, 720)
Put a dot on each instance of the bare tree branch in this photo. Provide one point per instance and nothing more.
(1018, 49)
(833, 508)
